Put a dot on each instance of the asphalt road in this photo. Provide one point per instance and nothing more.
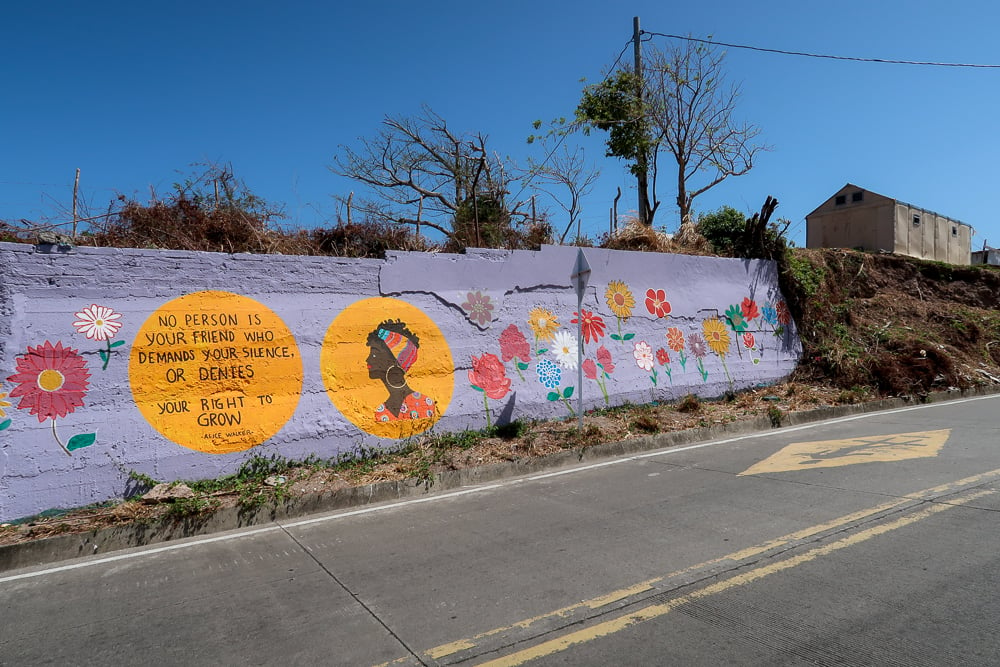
(875, 543)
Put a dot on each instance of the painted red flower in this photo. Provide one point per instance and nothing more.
(784, 317)
(589, 368)
(513, 344)
(662, 357)
(656, 302)
(604, 359)
(488, 374)
(592, 325)
(748, 340)
(749, 308)
(51, 381)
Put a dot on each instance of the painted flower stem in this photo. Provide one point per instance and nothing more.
(683, 359)
(604, 390)
(569, 406)
(107, 357)
(486, 405)
(726, 368)
(56, 436)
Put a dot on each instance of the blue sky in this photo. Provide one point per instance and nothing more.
(133, 93)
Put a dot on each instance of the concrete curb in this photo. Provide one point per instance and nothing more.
(76, 545)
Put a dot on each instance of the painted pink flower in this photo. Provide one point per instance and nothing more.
(604, 359)
(662, 357)
(656, 302)
(479, 308)
(52, 381)
(589, 368)
(748, 340)
(489, 376)
(697, 345)
(591, 325)
(98, 322)
(749, 308)
(513, 345)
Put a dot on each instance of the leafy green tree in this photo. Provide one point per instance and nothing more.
(724, 229)
(730, 233)
(613, 106)
(681, 106)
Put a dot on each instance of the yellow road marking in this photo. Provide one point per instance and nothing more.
(655, 611)
(866, 449)
(736, 556)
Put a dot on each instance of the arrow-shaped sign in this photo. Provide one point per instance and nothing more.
(866, 449)
(581, 274)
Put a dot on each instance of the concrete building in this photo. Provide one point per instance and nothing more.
(857, 218)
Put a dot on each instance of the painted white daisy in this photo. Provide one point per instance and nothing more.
(643, 355)
(564, 347)
(98, 322)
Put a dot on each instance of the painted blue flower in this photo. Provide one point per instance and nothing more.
(549, 373)
(770, 313)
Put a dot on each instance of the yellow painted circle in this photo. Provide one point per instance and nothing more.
(216, 372)
(361, 398)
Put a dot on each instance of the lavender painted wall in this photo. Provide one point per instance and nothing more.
(180, 365)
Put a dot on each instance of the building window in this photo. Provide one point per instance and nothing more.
(857, 196)
(954, 230)
(840, 200)
(916, 219)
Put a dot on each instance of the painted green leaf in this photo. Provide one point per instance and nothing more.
(523, 366)
(4, 424)
(553, 396)
(476, 388)
(615, 337)
(567, 392)
(117, 343)
(104, 355)
(628, 336)
(81, 440)
(542, 351)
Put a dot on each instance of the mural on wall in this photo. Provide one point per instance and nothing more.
(51, 381)
(387, 367)
(737, 332)
(212, 374)
(215, 372)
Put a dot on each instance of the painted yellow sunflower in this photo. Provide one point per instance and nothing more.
(543, 323)
(716, 335)
(620, 299)
(3, 404)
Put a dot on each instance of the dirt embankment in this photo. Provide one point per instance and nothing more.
(893, 325)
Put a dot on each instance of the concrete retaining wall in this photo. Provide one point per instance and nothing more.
(181, 365)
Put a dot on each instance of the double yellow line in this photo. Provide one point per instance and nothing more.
(650, 612)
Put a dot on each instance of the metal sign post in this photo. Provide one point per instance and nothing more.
(580, 277)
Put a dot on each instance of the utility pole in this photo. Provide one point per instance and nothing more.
(645, 215)
(76, 189)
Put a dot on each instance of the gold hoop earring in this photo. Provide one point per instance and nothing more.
(395, 386)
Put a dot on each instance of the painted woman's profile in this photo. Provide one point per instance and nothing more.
(393, 349)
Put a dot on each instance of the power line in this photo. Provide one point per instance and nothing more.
(818, 55)
(619, 58)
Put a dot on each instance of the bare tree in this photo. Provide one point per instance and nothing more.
(691, 108)
(421, 172)
(565, 176)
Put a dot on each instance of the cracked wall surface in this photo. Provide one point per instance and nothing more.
(181, 365)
